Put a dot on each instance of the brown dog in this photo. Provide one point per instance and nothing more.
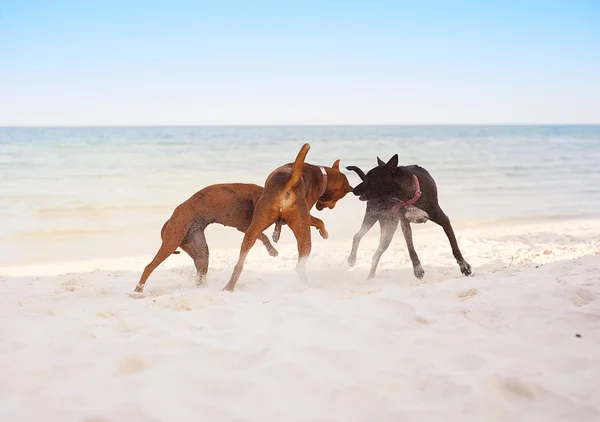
(229, 204)
(290, 192)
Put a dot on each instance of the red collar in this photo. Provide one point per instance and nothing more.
(412, 200)
(324, 187)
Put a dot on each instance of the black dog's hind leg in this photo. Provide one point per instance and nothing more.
(407, 232)
(442, 219)
(388, 228)
(368, 222)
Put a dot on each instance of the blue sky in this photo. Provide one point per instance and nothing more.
(298, 62)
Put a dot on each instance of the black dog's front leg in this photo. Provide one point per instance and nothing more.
(368, 222)
(388, 228)
(442, 219)
(407, 232)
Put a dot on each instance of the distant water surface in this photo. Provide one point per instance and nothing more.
(76, 193)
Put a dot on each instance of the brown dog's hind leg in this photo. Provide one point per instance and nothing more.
(300, 226)
(414, 258)
(442, 219)
(173, 233)
(197, 249)
(368, 222)
(262, 219)
(388, 228)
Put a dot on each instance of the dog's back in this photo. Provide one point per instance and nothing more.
(230, 204)
(427, 181)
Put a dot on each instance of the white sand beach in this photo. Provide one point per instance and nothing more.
(114, 113)
(518, 340)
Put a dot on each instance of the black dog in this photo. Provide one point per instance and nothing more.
(400, 194)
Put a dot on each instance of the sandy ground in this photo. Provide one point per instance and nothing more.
(518, 340)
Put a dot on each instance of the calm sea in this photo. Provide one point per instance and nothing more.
(79, 193)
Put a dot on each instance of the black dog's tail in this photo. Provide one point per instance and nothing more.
(358, 171)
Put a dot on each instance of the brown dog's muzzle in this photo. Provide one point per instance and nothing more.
(322, 205)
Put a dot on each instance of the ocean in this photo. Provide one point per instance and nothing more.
(97, 192)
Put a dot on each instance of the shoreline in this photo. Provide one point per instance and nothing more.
(230, 248)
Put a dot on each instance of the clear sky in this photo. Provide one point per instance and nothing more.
(298, 62)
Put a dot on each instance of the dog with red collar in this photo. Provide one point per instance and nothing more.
(289, 194)
(400, 194)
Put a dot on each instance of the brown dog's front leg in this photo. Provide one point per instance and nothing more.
(270, 248)
(265, 240)
(319, 225)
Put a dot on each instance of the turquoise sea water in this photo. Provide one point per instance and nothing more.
(76, 193)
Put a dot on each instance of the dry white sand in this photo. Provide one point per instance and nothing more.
(517, 341)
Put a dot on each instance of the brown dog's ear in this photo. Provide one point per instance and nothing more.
(336, 165)
(393, 163)
(380, 162)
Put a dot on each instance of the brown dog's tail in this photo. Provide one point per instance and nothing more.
(297, 168)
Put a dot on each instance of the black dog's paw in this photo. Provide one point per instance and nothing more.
(465, 268)
(351, 260)
(419, 272)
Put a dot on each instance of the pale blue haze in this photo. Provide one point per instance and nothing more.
(303, 62)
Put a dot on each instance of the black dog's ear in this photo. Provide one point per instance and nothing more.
(358, 171)
(380, 162)
(393, 163)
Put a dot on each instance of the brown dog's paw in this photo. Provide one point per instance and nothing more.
(139, 289)
(200, 280)
(324, 234)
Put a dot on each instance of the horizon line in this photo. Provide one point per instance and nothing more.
(288, 125)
